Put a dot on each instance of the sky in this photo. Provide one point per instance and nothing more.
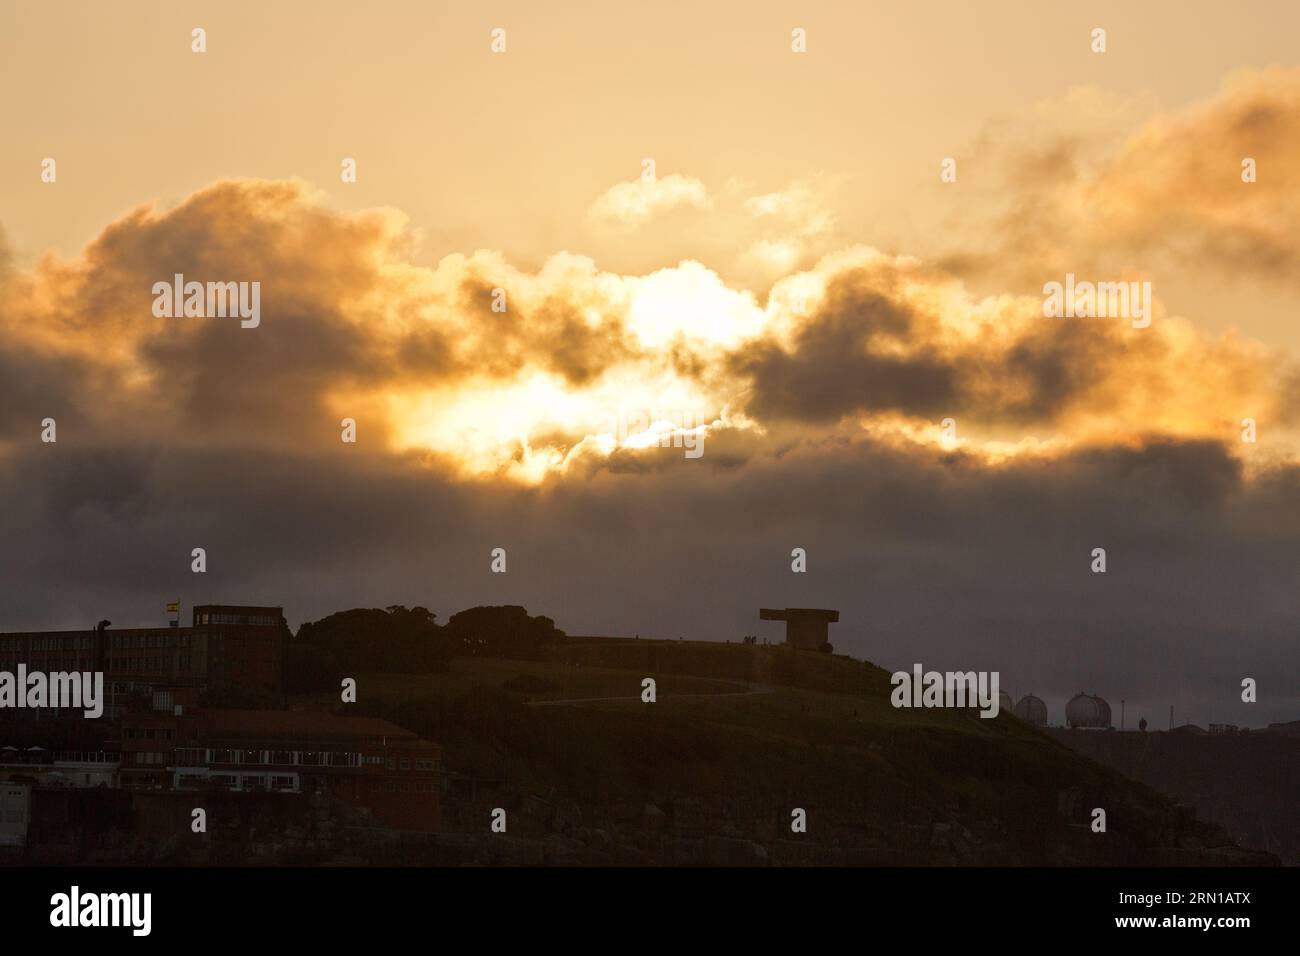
(670, 228)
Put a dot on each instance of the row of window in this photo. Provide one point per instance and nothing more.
(119, 687)
(148, 733)
(405, 764)
(201, 756)
(237, 781)
(170, 638)
(86, 756)
(392, 763)
(149, 665)
(87, 642)
(49, 643)
(161, 639)
(152, 664)
(257, 620)
(405, 786)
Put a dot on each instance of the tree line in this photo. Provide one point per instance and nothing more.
(399, 639)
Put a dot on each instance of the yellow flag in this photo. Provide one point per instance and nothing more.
(174, 606)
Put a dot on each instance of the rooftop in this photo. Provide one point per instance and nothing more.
(300, 723)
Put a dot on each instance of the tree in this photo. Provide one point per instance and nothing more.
(396, 638)
(502, 631)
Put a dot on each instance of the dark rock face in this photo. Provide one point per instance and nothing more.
(270, 830)
(1246, 783)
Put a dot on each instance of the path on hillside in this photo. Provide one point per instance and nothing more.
(750, 689)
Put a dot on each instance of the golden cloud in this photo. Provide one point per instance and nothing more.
(487, 369)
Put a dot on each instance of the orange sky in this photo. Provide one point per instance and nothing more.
(509, 152)
(776, 177)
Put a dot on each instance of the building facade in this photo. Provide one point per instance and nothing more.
(226, 647)
(15, 813)
(159, 735)
(361, 761)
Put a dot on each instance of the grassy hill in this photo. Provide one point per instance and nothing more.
(739, 736)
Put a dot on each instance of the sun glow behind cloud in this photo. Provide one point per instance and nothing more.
(690, 301)
(586, 366)
(538, 426)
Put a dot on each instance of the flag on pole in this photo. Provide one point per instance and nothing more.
(174, 606)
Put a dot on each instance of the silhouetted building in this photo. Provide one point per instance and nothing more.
(228, 647)
(805, 627)
(361, 761)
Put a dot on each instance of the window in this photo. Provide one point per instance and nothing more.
(406, 763)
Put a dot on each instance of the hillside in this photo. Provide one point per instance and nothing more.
(739, 736)
(1207, 771)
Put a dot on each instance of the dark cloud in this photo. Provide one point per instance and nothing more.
(866, 350)
(832, 369)
(930, 557)
(551, 334)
